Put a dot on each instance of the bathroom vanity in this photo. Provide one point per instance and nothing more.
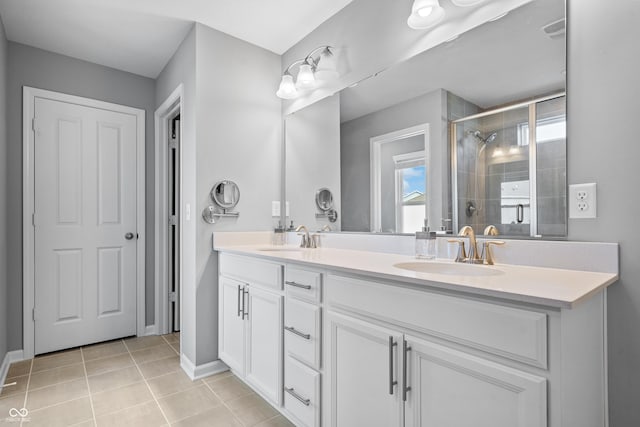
(343, 337)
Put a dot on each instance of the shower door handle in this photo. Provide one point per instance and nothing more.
(520, 213)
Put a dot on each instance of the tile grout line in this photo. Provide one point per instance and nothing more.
(224, 404)
(147, 384)
(26, 392)
(86, 379)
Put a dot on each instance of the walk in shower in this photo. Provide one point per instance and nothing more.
(501, 178)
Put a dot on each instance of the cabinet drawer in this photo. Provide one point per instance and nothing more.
(303, 284)
(251, 270)
(513, 333)
(302, 393)
(302, 331)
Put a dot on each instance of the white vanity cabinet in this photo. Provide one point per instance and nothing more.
(303, 345)
(251, 321)
(331, 346)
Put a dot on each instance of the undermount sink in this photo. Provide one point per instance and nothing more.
(280, 249)
(449, 268)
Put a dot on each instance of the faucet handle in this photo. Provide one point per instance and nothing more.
(487, 254)
(462, 254)
(491, 230)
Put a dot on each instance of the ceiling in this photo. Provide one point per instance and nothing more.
(140, 36)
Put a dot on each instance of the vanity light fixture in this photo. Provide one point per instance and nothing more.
(316, 69)
(425, 14)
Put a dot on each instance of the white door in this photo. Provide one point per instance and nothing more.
(450, 388)
(264, 343)
(85, 204)
(231, 333)
(365, 389)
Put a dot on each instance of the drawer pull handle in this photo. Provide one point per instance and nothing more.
(297, 285)
(405, 388)
(392, 382)
(292, 392)
(298, 333)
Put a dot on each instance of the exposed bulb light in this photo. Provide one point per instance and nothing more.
(287, 89)
(466, 3)
(425, 14)
(306, 79)
(317, 68)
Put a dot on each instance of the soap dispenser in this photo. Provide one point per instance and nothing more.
(426, 242)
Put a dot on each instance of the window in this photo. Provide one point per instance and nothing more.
(411, 195)
(548, 129)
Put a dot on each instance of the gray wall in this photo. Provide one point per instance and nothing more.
(4, 246)
(239, 137)
(33, 67)
(354, 155)
(313, 160)
(181, 69)
(231, 130)
(602, 144)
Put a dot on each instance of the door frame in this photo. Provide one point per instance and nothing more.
(29, 94)
(165, 111)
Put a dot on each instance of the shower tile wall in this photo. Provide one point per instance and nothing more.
(506, 160)
(458, 108)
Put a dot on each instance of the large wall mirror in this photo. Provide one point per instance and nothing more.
(470, 132)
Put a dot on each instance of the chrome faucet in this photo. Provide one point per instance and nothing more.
(307, 241)
(474, 255)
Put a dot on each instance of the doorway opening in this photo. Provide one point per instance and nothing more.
(173, 241)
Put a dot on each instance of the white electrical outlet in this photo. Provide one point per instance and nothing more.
(582, 201)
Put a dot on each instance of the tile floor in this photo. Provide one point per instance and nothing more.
(130, 382)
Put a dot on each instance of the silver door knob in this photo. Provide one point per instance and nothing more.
(128, 236)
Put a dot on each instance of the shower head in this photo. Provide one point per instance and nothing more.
(488, 140)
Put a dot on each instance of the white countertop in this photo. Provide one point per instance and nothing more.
(552, 287)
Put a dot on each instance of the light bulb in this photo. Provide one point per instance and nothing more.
(425, 11)
(425, 14)
(287, 89)
(306, 79)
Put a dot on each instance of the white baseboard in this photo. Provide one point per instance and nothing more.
(150, 330)
(201, 371)
(9, 358)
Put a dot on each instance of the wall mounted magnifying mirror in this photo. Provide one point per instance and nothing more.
(225, 195)
(324, 203)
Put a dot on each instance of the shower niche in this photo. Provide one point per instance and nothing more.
(509, 169)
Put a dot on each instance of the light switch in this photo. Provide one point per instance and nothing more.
(275, 209)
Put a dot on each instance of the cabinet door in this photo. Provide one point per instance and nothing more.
(362, 367)
(264, 343)
(231, 336)
(450, 388)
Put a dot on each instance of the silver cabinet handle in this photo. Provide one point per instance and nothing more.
(391, 380)
(239, 309)
(405, 388)
(297, 285)
(245, 312)
(298, 333)
(292, 392)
